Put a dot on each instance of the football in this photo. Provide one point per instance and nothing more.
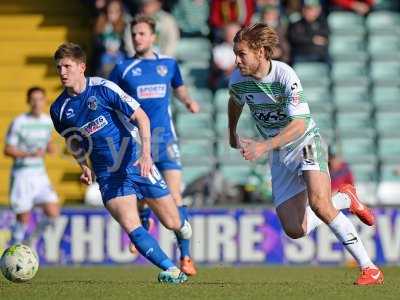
(19, 263)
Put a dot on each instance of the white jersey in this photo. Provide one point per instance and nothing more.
(274, 101)
(29, 133)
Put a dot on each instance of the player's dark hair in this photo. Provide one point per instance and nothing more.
(144, 19)
(33, 89)
(70, 50)
(258, 36)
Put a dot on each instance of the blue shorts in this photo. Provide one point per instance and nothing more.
(166, 156)
(118, 185)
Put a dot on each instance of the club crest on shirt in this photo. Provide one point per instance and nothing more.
(136, 71)
(92, 103)
(162, 70)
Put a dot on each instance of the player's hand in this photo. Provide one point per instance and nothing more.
(145, 164)
(193, 107)
(251, 149)
(86, 177)
(39, 153)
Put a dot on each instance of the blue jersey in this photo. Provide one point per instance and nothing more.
(149, 81)
(100, 117)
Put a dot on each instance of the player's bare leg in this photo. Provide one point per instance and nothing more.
(173, 179)
(51, 211)
(124, 211)
(20, 227)
(319, 198)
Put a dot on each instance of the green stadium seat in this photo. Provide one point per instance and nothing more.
(349, 72)
(385, 72)
(353, 124)
(347, 48)
(383, 22)
(191, 173)
(236, 174)
(389, 172)
(386, 98)
(221, 100)
(352, 98)
(324, 120)
(388, 123)
(202, 95)
(387, 46)
(346, 23)
(313, 73)
(365, 172)
(197, 152)
(359, 150)
(194, 50)
(195, 125)
(318, 99)
(389, 150)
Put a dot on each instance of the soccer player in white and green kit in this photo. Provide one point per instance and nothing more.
(300, 176)
(27, 142)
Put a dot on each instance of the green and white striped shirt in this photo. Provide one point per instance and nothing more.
(29, 134)
(274, 100)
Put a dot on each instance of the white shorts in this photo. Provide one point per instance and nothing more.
(28, 189)
(287, 179)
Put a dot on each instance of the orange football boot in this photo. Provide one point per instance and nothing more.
(370, 276)
(356, 207)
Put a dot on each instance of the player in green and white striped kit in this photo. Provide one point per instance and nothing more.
(298, 159)
(27, 142)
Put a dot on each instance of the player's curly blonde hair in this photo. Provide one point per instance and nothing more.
(258, 36)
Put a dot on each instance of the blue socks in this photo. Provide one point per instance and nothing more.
(184, 245)
(149, 248)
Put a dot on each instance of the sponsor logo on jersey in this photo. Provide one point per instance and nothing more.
(249, 98)
(151, 91)
(70, 113)
(92, 103)
(162, 70)
(136, 71)
(94, 125)
(294, 86)
(295, 99)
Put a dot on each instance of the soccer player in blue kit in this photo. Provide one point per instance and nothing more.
(93, 115)
(148, 77)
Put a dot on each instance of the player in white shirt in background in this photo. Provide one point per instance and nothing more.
(300, 176)
(28, 141)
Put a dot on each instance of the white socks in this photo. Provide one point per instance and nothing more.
(18, 233)
(347, 234)
(340, 201)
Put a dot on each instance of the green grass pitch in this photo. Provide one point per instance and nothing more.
(210, 284)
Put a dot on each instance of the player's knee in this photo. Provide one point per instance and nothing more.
(172, 224)
(295, 232)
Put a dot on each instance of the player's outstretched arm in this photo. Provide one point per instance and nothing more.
(145, 162)
(252, 150)
(182, 94)
(234, 112)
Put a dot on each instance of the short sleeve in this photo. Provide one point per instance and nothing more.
(296, 105)
(117, 99)
(12, 134)
(177, 80)
(234, 91)
(55, 118)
